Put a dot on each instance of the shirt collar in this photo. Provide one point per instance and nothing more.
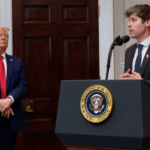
(4, 55)
(146, 42)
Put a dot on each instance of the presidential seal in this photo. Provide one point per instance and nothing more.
(96, 103)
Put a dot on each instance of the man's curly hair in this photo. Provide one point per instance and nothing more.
(142, 11)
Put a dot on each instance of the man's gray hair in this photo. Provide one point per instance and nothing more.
(6, 29)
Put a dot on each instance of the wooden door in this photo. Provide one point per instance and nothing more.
(57, 40)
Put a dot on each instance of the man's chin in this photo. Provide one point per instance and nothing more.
(132, 36)
(3, 46)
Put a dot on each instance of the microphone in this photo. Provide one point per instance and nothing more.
(119, 41)
(125, 39)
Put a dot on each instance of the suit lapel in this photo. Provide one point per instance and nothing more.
(145, 61)
(131, 56)
(9, 61)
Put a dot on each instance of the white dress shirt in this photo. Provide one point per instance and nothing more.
(146, 44)
(5, 65)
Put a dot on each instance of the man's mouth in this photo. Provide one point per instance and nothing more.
(130, 31)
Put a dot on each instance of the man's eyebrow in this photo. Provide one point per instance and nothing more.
(132, 18)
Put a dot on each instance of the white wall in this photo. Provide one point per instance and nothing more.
(6, 20)
(105, 37)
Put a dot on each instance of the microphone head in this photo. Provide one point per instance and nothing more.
(125, 38)
(119, 41)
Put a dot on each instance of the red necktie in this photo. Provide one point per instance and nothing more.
(2, 78)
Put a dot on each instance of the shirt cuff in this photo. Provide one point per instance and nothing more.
(11, 98)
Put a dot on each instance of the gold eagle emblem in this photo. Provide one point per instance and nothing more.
(96, 103)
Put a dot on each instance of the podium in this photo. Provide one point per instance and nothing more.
(128, 126)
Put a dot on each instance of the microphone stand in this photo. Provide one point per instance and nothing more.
(115, 42)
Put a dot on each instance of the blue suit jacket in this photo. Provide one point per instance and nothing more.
(15, 86)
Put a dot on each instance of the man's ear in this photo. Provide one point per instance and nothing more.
(147, 23)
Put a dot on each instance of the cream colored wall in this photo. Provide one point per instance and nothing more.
(120, 28)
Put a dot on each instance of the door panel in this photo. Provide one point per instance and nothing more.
(37, 62)
(74, 14)
(36, 14)
(75, 54)
(57, 40)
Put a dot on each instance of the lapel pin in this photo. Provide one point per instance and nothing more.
(147, 56)
(11, 60)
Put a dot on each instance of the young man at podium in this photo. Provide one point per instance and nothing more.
(137, 57)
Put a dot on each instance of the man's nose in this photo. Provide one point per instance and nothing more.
(129, 24)
(2, 36)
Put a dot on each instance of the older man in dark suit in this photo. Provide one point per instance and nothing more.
(12, 87)
(138, 55)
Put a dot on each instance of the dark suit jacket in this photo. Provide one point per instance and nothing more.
(16, 87)
(145, 67)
